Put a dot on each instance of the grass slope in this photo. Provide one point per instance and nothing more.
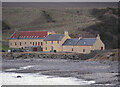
(73, 20)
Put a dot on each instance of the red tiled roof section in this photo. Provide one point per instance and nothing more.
(30, 34)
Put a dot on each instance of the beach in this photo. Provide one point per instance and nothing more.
(102, 73)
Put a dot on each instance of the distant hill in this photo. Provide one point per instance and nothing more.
(61, 4)
(78, 21)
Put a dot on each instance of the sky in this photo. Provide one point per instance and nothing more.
(60, 0)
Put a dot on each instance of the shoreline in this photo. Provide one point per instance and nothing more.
(102, 73)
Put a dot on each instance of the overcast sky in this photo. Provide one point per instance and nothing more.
(60, 0)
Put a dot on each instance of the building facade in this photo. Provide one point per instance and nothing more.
(24, 39)
(49, 41)
(83, 45)
(53, 42)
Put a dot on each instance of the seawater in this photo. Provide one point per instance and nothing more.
(37, 79)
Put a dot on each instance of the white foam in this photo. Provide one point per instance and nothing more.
(27, 67)
(36, 79)
(21, 68)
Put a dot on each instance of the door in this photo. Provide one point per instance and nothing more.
(101, 48)
(52, 48)
(34, 49)
(41, 49)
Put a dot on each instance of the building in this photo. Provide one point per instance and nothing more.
(49, 41)
(53, 42)
(32, 39)
(83, 45)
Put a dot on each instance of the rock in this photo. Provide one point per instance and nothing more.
(19, 76)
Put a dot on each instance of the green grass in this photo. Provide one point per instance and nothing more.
(4, 47)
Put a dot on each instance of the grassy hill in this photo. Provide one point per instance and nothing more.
(47, 19)
(85, 22)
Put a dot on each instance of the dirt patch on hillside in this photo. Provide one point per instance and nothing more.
(112, 55)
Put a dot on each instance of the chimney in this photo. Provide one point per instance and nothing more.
(50, 32)
(80, 38)
(98, 36)
(66, 33)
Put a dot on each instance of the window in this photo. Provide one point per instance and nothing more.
(52, 42)
(72, 49)
(58, 42)
(33, 43)
(15, 43)
(41, 43)
(46, 48)
(10, 43)
(46, 42)
(20, 43)
(83, 50)
(30, 42)
(25, 42)
(38, 43)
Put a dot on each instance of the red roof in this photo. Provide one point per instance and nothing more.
(30, 34)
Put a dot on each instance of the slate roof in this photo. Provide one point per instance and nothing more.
(86, 41)
(80, 42)
(29, 34)
(54, 37)
(70, 41)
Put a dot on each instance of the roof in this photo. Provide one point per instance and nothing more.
(86, 41)
(29, 35)
(54, 37)
(70, 41)
(80, 42)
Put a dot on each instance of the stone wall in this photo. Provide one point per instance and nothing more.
(74, 56)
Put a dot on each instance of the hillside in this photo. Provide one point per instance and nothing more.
(78, 21)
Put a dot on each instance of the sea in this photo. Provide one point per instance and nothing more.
(10, 78)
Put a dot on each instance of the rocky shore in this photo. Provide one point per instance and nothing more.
(101, 72)
(99, 66)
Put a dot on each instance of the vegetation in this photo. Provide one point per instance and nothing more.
(5, 48)
(108, 27)
(5, 26)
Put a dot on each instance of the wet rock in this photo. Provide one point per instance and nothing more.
(19, 76)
